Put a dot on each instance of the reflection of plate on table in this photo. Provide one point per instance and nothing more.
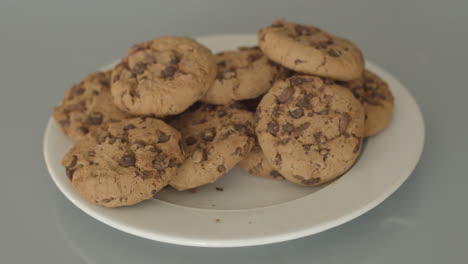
(252, 210)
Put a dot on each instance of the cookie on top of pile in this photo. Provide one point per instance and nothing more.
(296, 107)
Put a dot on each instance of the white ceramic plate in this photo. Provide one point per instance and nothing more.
(252, 210)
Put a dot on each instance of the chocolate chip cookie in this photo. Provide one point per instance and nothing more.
(126, 162)
(310, 131)
(217, 138)
(311, 50)
(242, 74)
(257, 164)
(87, 105)
(377, 99)
(163, 76)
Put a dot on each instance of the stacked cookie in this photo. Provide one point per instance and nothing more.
(171, 113)
(310, 126)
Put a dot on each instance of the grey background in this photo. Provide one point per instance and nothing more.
(46, 45)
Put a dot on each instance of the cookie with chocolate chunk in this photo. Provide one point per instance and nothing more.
(310, 50)
(126, 162)
(163, 76)
(256, 164)
(377, 99)
(242, 74)
(310, 131)
(87, 105)
(217, 138)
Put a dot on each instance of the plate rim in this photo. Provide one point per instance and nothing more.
(273, 238)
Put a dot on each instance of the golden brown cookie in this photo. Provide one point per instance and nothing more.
(163, 76)
(217, 138)
(87, 105)
(310, 50)
(310, 131)
(242, 74)
(377, 99)
(126, 162)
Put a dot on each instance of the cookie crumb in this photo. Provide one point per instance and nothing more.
(219, 189)
(218, 220)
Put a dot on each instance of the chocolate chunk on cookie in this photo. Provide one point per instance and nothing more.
(310, 131)
(163, 76)
(257, 164)
(217, 138)
(126, 162)
(310, 50)
(87, 106)
(242, 74)
(377, 99)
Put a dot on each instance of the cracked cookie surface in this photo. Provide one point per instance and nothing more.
(87, 106)
(163, 76)
(377, 99)
(257, 164)
(310, 131)
(243, 74)
(308, 49)
(126, 162)
(217, 138)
